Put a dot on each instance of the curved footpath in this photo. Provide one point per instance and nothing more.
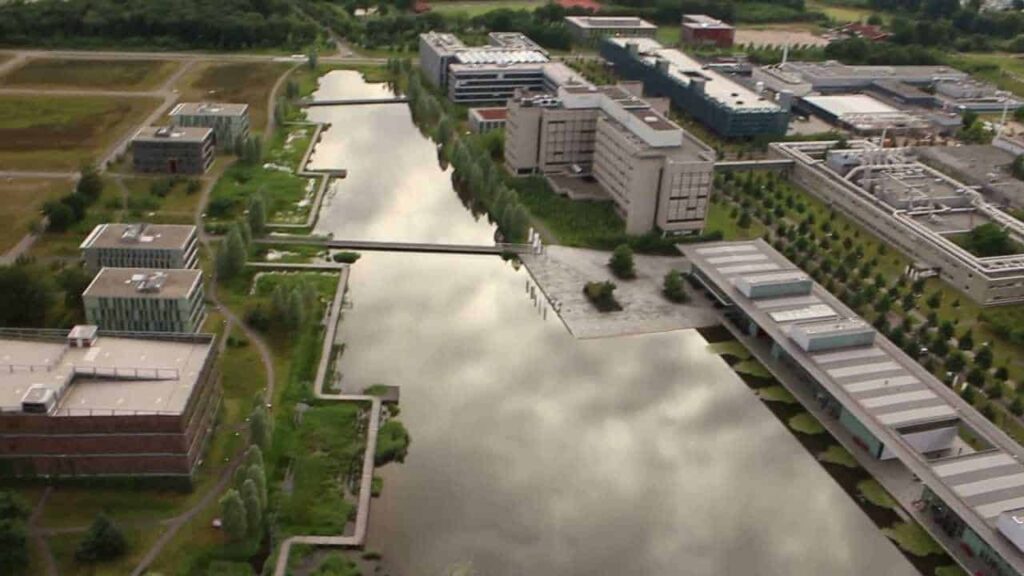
(365, 482)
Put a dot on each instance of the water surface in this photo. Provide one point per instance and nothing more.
(537, 454)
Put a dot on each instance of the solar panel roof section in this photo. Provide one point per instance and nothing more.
(888, 391)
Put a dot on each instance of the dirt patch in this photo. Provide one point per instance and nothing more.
(61, 132)
(241, 83)
(778, 37)
(90, 74)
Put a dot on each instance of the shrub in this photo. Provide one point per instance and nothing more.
(392, 443)
(104, 541)
(673, 287)
(621, 262)
(601, 295)
(346, 257)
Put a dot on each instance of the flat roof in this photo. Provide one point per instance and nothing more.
(833, 70)
(141, 235)
(495, 113)
(610, 22)
(209, 109)
(120, 373)
(172, 283)
(703, 21)
(886, 391)
(499, 56)
(844, 104)
(167, 133)
(684, 69)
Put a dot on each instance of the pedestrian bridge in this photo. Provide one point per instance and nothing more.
(371, 245)
(352, 102)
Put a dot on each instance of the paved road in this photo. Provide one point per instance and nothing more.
(188, 56)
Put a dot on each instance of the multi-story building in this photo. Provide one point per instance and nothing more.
(116, 245)
(723, 105)
(919, 210)
(90, 403)
(701, 30)
(881, 402)
(489, 74)
(589, 30)
(658, 175)
(146, 300)
(168, 150)
(230, 122)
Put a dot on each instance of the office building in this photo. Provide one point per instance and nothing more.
(701, 30)
(726, 107)
(87, 403)
(917, 209)
(229, 122)
(888, 405)
(167, 150)
(588, 30)
(146, 300)
(658, 175)
(115, 245)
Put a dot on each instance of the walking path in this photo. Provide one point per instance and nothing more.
(366, 480)
(494, 249)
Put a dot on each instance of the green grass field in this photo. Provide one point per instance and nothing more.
(473, 8)
(244, 83)
(837, 12)
(90, 74)
(21, 202)
(1001, 68)
(667, 35)
(60, 132)
(139, 540)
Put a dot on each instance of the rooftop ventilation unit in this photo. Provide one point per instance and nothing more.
(152, 282)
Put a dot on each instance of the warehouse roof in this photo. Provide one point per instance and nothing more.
(170, 283)
(167, 133)
(209, 109)
(147, 236)
(886, 391)
(117, 373)
(610, 22)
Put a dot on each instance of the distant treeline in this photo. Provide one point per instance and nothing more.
(213, 24)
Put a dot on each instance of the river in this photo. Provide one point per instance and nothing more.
(534, 453)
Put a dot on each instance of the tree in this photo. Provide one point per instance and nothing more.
(257, 214)
(259, 427)
(976, 376)
(966, 342)
(233, 516)
(231, 255)
(1017, 406)
(990, 239)
(253, 509)
(26, 295)
(744, 220)
(673, 287)
(258, 476)
(59, 215)
(621, 262)
(955, 362)
(254, 457)
(983, 357)
(311, 59)
(13, 545)
(104, 541)
(946, 330)
(90, 185)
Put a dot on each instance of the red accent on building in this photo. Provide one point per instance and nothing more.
(591, 5)
(421, 6)
(698, 29)
(493, 113)
(865, 31)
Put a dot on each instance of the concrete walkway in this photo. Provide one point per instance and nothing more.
(561, 272)
(358, 538)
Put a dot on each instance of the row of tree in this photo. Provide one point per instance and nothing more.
(217, 24)
(474, 170)
(63, 213)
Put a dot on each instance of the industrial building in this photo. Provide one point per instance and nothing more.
(116, 245)
(229, 122)
(589, 30)
(658, 175)
(862, 114)
(893, 408)
(483, 120)
(915, 208)
(723, 105)
(168, 150)
(701, 30)
(486, 74)
(974, 96)
(146, 300)
(802, 78)
(88, 403)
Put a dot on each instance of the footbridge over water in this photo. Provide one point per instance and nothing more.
(306, 103)
(384, 246)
